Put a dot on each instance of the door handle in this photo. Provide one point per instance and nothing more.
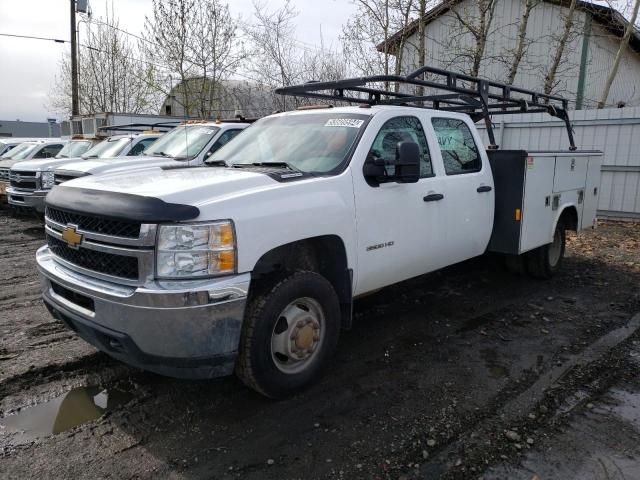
(484, 188)
(433, 197)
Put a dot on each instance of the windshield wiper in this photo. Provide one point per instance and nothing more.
(270, 164)
(216, 163)
(164, 154)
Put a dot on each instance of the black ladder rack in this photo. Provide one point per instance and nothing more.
(477, 97)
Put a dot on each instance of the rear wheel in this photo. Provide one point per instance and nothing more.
(290, 331)
(545, 261)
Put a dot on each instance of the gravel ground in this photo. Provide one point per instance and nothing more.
(466, 373)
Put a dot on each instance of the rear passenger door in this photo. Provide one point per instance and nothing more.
(468, 189)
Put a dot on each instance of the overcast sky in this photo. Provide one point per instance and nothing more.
(29, 67)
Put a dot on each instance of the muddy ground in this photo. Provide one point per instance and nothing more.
(466, 373)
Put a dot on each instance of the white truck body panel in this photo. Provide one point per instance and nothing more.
(380, 230)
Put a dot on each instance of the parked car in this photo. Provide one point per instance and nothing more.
(7, 144)
(33, 149)
(31, 181)
(251, 264)
(188, 144)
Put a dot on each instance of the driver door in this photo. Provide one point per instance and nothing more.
(398, 225)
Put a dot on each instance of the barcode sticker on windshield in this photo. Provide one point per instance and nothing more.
(344, 122)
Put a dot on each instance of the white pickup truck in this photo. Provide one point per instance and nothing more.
(190, 143)
(252, 263)
(30, 181)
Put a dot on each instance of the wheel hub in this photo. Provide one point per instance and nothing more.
(297, 335)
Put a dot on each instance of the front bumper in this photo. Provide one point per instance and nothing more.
(27, 199)
(186, 329)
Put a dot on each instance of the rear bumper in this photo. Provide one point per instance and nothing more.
(27, 199)
(184, 329)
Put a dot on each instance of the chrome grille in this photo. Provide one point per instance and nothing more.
(21, 180)
(102, 225)
(101, 262)
(103, 251)
(4, 174)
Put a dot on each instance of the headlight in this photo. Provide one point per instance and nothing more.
(198, 250)
(47, 180)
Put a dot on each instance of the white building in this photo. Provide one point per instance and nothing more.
(586, 62)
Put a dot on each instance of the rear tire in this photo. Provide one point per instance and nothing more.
(545, 261)
(290, 332)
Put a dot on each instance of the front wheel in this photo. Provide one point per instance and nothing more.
(545, 261)
(290, 331)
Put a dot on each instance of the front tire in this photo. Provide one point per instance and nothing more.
(545, 261)
(290, 332)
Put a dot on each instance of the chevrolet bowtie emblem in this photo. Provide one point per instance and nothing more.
(71, 236)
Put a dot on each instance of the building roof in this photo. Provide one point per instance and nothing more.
(608, 17)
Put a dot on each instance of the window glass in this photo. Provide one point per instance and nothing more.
(109, 147)
(401, 129)
(25, 152)
(310, 142)
(183, 142)
(17, 150)
(75, 148)
(225, 138)
(48, 152)
(459, 151)
(139, 147)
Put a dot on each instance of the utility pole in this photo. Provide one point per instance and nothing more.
(75, 108)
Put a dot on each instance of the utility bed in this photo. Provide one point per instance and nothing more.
(530, 189)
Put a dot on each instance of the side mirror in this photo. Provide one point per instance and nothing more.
(407, 162)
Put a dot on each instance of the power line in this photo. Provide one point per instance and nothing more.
(57, 40)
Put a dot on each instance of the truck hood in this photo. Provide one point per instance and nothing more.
(45, 163)
(188, 185)
(8, 163)
(112, 165)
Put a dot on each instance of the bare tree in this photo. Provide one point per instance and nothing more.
(476, 21)
(376, 39)
(278, 59)
(168, 34)
(272, 36)
(112, 77)
(521, 40)
(621, 50)
(550, 81)
(215, 51)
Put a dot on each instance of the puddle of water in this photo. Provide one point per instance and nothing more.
(78, 406)
(496, 368)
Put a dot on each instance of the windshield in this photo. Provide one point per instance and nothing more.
(22, 154)
(16, 150)
(111, 147)
(311, 143)
(74, 149)
(183, 142)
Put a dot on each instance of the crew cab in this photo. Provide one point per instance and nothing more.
(188, 144)
(31, 181)
(252, 262)
(32, 149)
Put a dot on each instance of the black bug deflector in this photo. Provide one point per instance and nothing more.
(117, 205)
